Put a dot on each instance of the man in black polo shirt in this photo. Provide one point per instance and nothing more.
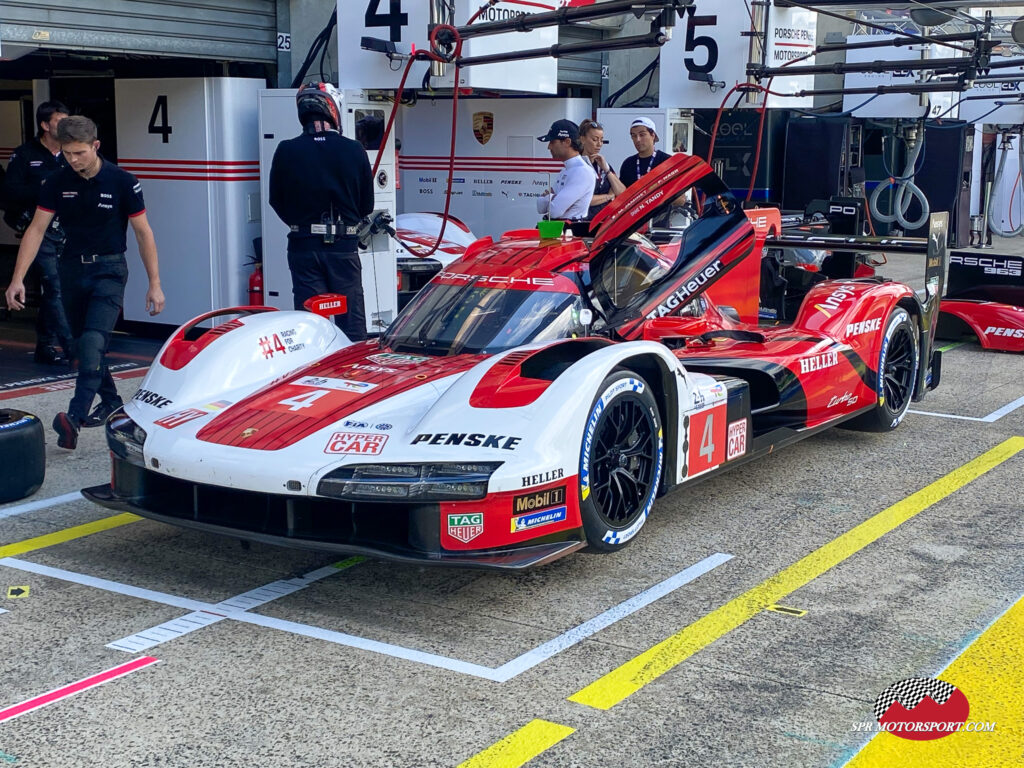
(95, 201)
(30, 163)
(644, 137)
(321, 186)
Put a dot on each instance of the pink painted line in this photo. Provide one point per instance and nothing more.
(70, 690)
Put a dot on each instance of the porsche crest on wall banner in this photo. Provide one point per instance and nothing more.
(483, 126)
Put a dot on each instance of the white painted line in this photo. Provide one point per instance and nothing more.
(994, 416)
(182, 625)
(231, 609)
(32, 506)
(108, 586)
(575, 635)
(365, 644)
(4, 610)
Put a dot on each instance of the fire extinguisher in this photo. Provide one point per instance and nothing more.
(256, 285)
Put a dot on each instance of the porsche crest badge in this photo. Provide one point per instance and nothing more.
(483, 126)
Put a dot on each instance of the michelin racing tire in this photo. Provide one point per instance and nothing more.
(620, 461)
(897, 375)
(22, 454)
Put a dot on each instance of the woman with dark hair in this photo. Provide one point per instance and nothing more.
(607, 185)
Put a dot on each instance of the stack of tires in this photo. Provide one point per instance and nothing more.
(22, 454)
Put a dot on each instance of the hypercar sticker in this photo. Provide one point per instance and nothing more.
(736, 440)
(364, 443)
(466, 527)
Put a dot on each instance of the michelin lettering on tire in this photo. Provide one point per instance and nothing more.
(895, 319)
(620, 537)
(622, 385)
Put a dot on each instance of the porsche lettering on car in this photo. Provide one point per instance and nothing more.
(535, 398)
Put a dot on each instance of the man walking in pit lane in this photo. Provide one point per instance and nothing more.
(569, 197)
(30, 163)
(644, 137)
(321, 186)
(95, 201)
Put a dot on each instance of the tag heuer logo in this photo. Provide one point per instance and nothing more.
(466, 527)
(483, 126)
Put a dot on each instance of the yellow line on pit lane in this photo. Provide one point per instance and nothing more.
(620, 683)
(77, 532)
(988, 673)
(520, 747)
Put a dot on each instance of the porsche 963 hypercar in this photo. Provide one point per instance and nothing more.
(534, 398)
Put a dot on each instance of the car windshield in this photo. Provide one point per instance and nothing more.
(473, 319)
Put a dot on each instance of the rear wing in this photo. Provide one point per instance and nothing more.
(933, 248)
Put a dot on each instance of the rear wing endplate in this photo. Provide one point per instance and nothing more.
(933, 248)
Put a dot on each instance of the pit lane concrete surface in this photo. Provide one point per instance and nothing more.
(752, 623)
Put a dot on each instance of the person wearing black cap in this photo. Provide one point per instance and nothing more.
(644, 137)
(321, 186)
(569, 197)
(30, 163)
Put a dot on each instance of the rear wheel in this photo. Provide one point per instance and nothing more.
(897, 374)
(620, 461)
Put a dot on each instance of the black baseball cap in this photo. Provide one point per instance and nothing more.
(561, 129)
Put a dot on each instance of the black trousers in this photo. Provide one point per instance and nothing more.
(51, 323)
(331, 271)
(93, 295)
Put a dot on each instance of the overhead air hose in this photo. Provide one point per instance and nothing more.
(993, 219)
(904, 188)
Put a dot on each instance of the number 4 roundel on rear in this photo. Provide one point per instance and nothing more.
(707, 440)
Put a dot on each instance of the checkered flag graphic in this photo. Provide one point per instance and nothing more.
(911, 692)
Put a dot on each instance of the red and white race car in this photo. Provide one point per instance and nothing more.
(535, 398)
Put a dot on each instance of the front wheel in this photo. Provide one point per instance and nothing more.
(620, 461)
(897, 374)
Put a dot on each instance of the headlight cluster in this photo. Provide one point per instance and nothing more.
(452, 481)
(126, 438)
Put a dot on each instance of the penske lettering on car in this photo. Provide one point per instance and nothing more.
(470, 439)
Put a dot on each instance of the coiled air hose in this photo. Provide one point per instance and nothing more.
(905, 190)
(993, 219)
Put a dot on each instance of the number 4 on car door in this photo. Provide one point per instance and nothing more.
(707, 440)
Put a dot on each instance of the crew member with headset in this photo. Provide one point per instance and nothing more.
(321, 186)
(569, 197)
(644, 137)
(30, 163)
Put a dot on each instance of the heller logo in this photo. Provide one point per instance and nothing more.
(922, 709)
(466, 527)
(818, 362)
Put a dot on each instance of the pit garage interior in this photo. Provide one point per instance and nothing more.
(765, 616)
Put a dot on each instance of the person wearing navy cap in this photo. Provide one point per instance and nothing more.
(644, 137)
(569, 197)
